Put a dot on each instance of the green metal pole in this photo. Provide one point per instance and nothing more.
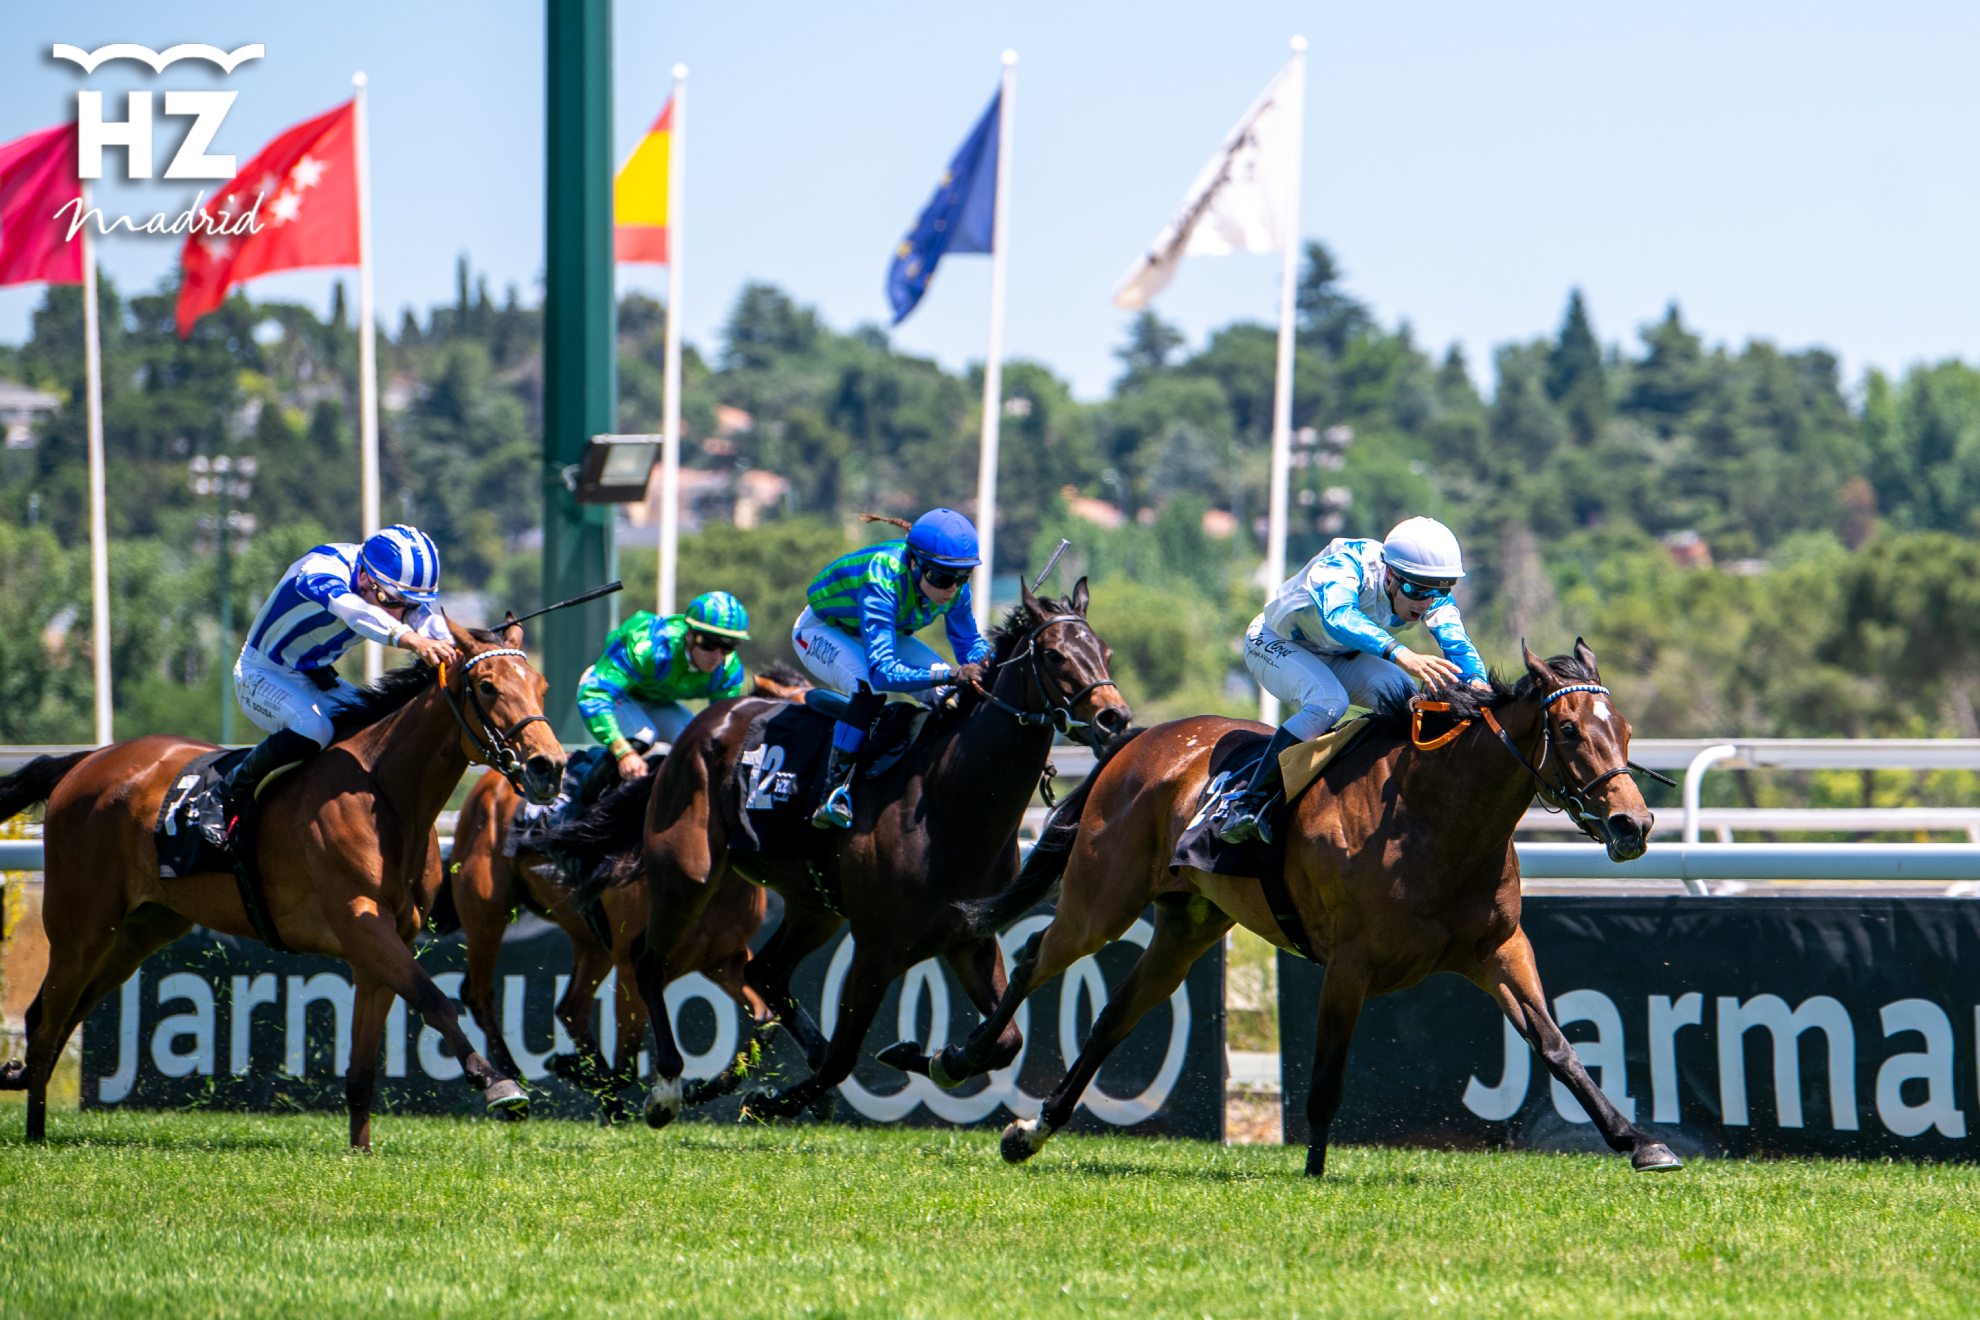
(580, 329)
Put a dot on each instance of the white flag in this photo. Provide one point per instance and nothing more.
(1239, 203)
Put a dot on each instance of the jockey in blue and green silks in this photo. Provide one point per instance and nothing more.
(631, 698)
(857, 634)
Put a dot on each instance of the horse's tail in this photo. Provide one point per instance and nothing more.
(590, 847)
(781, 681)
(1047, 863)
(34, 781)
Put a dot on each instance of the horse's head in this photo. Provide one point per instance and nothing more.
(498, 698)
(1051, 662)
(1584, 766)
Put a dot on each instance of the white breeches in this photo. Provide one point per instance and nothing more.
(837, 661)
(1319, 687)
(277, 698)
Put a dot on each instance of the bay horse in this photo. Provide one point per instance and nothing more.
(348, 856)
(488, 881)
(1399, 862)
(940, 825)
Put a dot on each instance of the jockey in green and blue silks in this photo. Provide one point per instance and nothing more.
(1324, 641)
(856, 634)
(649, 665)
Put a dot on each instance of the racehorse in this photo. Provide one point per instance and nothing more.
(348, 856)
(938, 826)
(1399, 862)
(489, 880)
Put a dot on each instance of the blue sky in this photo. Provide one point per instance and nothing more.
(1796, 172)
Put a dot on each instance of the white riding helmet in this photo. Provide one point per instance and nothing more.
(1425, 549)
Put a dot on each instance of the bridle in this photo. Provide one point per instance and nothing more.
(1056, 714)
(497, 748)
(1561, 794)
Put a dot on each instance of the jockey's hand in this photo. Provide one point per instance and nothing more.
(972, 675)
(632, 766)
(1481, 685)
(1428, 670)
(431, 653)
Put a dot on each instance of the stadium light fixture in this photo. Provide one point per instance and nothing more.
(616, 468)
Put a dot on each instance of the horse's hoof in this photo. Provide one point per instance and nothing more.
(13, 1075)
(1023, 1139)
(507, 1101)
(769, 1105)
(949, 1069)
(568, 1067)
(613, 1110)
(663, 1102)
(907, 1056)
(1655, 1157)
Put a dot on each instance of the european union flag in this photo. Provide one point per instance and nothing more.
(958, 217)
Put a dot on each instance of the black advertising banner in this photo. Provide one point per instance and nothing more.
(212, 1021)
(1727, 1026)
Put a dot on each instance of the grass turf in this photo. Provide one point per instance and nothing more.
(202, 1213)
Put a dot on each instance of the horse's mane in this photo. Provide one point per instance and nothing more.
(1392, 718)
(375, 701)
(1004, 639)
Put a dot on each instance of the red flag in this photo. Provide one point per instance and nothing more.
(37, 179)
(302, 189)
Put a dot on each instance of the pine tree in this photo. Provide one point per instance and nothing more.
(1575, 379)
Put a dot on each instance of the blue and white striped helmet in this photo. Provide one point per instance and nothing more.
(404, 560)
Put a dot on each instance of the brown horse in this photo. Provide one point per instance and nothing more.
(348, 856)
(487, 885)
(939, 826)
(1399, 862)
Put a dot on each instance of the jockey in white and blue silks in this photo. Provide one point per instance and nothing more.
(1325, 641)
(327, 601)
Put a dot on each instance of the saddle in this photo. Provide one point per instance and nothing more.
(184, 848)
(1231, 765)
(767, 803)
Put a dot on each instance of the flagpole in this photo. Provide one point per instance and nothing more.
(670, 424)
(374, 657)
(993, 362)
(99, 550)
(1275, 526)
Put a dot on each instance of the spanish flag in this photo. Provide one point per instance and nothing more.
(639, 196)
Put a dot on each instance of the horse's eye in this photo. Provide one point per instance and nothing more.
(1054, 656)
(487, 688)
(1569, 733)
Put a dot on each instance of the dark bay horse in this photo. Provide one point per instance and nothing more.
(1399, 863)
(939, 826)
(348, 856)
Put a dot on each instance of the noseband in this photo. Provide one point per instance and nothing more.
(497, 748)
(1560, 794)
(1057, 714)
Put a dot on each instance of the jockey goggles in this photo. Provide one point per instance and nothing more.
(942, 578)
(1415, 590)
(710, 642)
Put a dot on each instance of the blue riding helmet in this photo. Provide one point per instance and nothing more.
(403, 560)
(945, 537)
(720, 613)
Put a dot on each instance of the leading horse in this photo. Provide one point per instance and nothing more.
(1398, 863)
(941, 825)
(348, 856)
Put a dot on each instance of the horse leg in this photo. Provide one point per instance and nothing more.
(859, 1003)
(1185, 927)
(372, 946)
(1343, 990)
(676, 900)
(979, 968)
(767, 976)
(373, 1002)
(80, 972)
(484, 914)
(1508, 974)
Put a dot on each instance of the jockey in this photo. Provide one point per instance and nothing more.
(1324, 642)
(856, 635)
(380, 591)
(631, 698)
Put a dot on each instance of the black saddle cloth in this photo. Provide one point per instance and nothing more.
(1231, 765)
(183, 848)
(780, 775)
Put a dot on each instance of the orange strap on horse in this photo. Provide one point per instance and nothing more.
(1416, 709)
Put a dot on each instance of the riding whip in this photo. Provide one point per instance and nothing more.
(1051, 564)
(578, 599)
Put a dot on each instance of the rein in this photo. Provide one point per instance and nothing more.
(1561, 795)
(1058, 715)
(498, 747)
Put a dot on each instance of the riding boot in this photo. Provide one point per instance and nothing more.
(835, 807)
(1246, 822)
(282, 750)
